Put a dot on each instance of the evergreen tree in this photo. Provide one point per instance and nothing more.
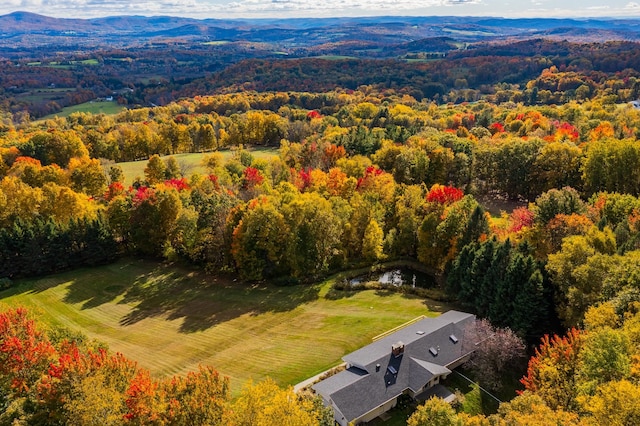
(504, 284)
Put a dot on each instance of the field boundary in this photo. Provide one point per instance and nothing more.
(393, 330)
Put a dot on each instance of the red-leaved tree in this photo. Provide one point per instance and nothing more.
(25, 352)
(444, 194)
(552, 370)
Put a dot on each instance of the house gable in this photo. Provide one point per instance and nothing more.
(380, 372)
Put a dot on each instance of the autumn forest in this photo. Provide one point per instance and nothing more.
(510, 173)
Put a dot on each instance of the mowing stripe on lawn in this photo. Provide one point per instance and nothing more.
(171, 319)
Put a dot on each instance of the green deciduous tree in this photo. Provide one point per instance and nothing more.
(87, 176)
(156, 170)
(612, 165)
(580, 270)
(315, 233)
(55, 147)
(557, 201)
(256, 244)
(604, 357)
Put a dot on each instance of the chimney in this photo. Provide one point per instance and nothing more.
(397, 349)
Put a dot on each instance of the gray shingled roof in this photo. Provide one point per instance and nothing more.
(361, 388)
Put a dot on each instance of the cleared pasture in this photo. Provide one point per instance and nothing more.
(93, 107)
(190, 163)
(171, 319)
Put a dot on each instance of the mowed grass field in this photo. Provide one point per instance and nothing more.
(108, 108)
(190, 163)
(171, 319)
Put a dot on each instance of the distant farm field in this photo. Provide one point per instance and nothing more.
(189, 163)
(170, 319)
(65, 65)
(92, 107)
(45, 94)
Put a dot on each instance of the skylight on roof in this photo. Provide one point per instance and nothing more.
(433, 351)
(453, 338)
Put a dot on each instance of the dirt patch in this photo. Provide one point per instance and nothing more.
(496, 204)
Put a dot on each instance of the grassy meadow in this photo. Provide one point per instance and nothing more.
(171, 319)
(108, 108)
(190, 163)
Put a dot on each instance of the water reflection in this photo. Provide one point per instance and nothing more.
(397, 277)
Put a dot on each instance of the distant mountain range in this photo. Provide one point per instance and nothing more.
(25, 30)
(49, 63)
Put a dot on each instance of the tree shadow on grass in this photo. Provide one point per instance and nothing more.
(79, 293)
(202, 301)
(83, 286)
(439, 306)
(433, 301)
(160, 290)
(93, 287)
(335, 294)
(32, 286)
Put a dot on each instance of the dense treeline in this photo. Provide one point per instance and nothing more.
(43, 247)
(496, 72)
(518, 151)
(505, 284)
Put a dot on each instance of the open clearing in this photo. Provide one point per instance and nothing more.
(171, 319)
(189, 163)
(93, 107)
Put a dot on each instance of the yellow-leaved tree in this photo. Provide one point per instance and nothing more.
(266, 404)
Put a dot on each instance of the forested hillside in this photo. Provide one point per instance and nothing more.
(361, 176)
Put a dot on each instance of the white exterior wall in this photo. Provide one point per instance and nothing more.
(376, 411)
(459, 361)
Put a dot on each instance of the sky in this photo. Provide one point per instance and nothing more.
(325, 8)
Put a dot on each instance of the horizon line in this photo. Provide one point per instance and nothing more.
(293, 18)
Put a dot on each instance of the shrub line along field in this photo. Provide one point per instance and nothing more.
(171, 319)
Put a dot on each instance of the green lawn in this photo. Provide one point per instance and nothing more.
(172, 319)
(476, 401)
(92, 107)
(191, 163)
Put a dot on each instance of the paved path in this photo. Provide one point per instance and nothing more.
(297, 388)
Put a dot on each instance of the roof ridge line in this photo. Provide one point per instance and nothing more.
(401, 326)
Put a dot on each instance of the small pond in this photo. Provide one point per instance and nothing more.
(398, 277)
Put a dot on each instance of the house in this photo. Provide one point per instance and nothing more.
(409, 361)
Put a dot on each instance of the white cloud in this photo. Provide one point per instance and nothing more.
(86, 8)
(321, 8)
